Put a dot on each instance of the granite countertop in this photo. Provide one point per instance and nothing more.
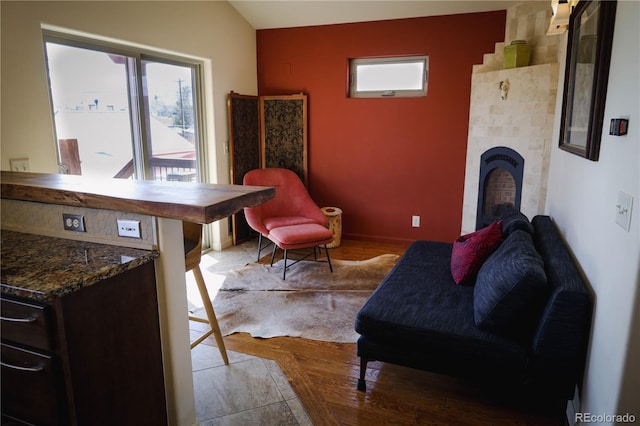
(46, 268)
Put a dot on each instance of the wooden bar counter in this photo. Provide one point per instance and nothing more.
(190, 202)
(167, 205)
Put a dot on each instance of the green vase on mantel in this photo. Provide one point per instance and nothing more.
(517, 54)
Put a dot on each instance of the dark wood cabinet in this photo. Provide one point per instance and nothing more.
(90, 357)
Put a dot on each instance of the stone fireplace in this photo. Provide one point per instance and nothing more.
(500, 183)
(520, 121)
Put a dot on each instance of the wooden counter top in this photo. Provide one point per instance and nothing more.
(192, 202)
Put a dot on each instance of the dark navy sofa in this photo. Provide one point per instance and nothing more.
(418, 317)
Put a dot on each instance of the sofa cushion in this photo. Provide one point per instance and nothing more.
(471, 250)
(511, 286)
(419, 308)
(278, 222)
(512, 220)
(300, 236)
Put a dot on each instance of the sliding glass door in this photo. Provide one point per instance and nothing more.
(123, 114)
(171, 127)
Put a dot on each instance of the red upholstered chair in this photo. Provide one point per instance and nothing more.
(291, 220)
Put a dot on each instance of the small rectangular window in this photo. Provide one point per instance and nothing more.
(400, 76)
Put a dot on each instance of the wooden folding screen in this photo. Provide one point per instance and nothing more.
(244, 150)
(284, 133)
(266, 131)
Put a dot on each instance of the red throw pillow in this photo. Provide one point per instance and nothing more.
(471, 250)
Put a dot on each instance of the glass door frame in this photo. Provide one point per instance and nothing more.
(138, 108)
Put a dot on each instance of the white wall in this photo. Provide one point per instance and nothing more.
(209, 30)
(582, 199)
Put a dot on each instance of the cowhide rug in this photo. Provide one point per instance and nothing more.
(312, 302)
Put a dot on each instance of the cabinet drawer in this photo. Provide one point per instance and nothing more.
(28, 323)
(32, 386)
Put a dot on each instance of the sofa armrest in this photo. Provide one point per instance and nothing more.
(560, 341)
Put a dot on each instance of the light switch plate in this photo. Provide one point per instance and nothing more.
(623, 210)
(129, 228)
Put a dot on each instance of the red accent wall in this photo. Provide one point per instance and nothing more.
(384, 160)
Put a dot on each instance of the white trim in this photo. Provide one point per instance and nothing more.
(391, 90)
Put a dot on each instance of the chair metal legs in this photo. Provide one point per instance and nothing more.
(286, 257)
(211, 316)
(260, 246)
(273, 254)
(284, 270)
(326, 250)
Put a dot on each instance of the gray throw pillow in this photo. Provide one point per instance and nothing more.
(511, 286)
(513, 220)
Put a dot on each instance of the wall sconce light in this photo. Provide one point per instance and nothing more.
(560, 12)
(504, 89)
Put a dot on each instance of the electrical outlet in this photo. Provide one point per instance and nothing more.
(415, 221)
(129, 228)
(73, 222)
(19, 164)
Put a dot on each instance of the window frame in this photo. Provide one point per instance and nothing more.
(137, 104)
(389, 93)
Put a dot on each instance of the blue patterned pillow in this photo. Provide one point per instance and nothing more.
(511, 285)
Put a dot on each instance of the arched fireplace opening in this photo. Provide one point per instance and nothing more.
(500, 183)
(499, 191)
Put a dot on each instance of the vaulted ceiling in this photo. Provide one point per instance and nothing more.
(265, 14)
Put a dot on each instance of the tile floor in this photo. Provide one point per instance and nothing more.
(250, 390)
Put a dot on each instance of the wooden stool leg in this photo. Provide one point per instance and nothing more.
(211, 315)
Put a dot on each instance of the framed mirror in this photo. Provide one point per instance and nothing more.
(586, 76)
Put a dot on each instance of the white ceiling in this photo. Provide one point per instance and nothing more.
(265, 14)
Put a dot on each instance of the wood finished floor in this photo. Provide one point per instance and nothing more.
(324, 377)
